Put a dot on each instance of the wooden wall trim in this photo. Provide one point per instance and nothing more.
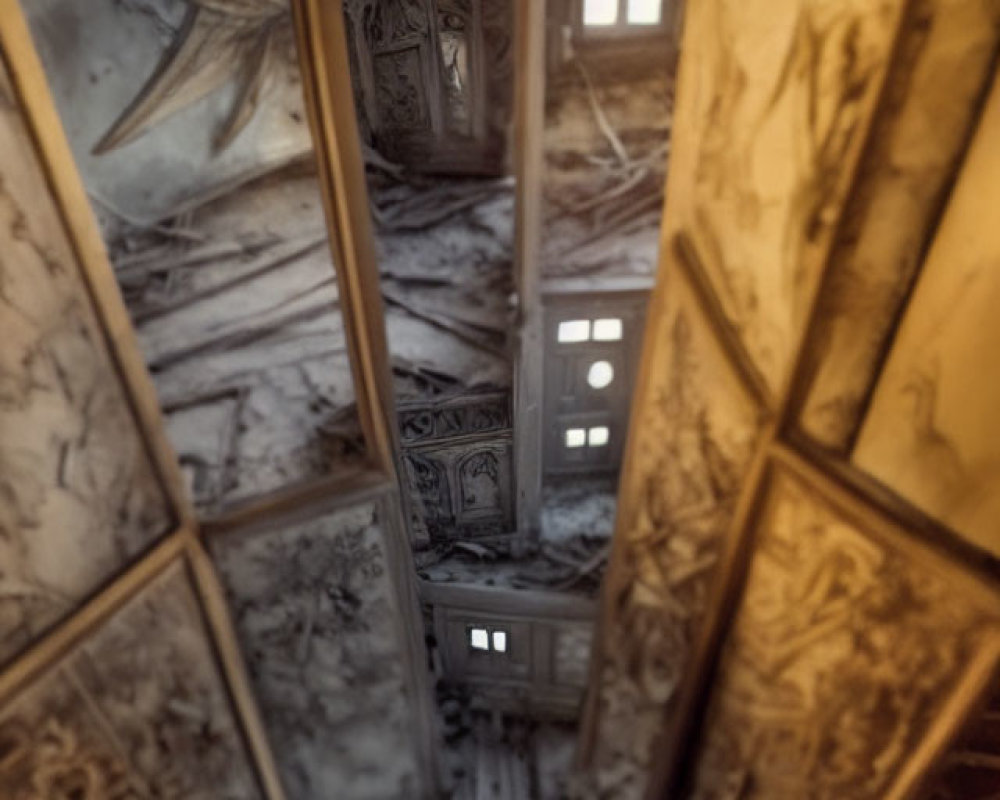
(326, 81)
(182, 544)
(226, 644)
(529, 124)
(524, 603)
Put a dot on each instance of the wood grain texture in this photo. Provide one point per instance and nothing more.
(773, 111)
(138, 709)
(318, 620)
(699, 425)
(845, 653)
(81, 497)
(932, 432)
(934, 91)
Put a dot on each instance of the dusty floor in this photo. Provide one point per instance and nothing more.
(445, 249)
(571, 553)
(492, 757)
(236, 308)
(606, 147)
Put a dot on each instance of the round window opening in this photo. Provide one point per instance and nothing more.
(600, 374)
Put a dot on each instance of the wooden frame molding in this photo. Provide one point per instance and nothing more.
(182, 545)
(326, 76)
(529, 122)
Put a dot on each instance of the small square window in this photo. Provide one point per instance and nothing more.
(607, 330)
(479, 639)
(574, 330)
(600, 12)
(500, 641)
(576, 437)
(598, 437)
(644, 12)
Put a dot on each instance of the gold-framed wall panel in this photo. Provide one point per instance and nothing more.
(857, 550)
(783, 436)
(181, 551)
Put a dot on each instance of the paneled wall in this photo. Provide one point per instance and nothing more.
(804, 599)
(275, 653)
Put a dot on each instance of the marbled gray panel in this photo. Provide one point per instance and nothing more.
(139, 709)
(79, 496)
(319, 624)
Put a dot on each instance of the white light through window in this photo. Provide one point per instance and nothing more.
(644, 12)
(600, 12)
(576, 437)
(574, 330)
(598, 437)
(479, 639)
(500, 641)
(600, 374)
(607, 330)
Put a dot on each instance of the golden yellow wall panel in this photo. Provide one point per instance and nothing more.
(79, 496)
(698, 427)
(846, 650)
(775, 103)
(935, 86)
(932, 433)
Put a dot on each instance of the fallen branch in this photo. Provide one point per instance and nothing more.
(452, 326)
(600, 117)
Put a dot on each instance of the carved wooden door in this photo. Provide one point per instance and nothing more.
(435, 81)
(803, 599)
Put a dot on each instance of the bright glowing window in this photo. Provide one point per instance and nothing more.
(598, 437)
(574, 330)
(600, 12)
(607, 330)
(600, 374)
(484, 639)
(644, 12)
(479, 639)
(576, 437)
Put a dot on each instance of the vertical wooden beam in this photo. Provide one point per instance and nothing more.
(326, 80)
(326, 83)
(529, 124)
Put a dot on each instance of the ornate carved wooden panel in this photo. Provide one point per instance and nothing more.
(319, 621)
(846, 649)
(933, 94)
(779, 101)
(699, 425)
(932, 433)
(80, 496)
(137, 710)
(457, 456)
